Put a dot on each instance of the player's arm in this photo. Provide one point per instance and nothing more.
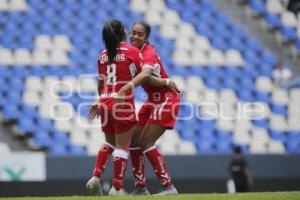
(94, 110)
(159, 82)
(141, 78)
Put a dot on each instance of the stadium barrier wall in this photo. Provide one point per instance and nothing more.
(191, 174)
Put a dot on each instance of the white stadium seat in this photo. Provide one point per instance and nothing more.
(289, 19)
(43, 42)
(78, 137)
(63, 125)
(278, 122)
(59, 57)
(201, 43)
(293, 124)
(171, 17)
(154, 17)
(228, 96)
(195, 83)
(138, 5)
(186, 30)
(242, 124)
(258, 148)
(18, 5)
(181, 57)
(199, 58)
(168, 31)
(274, 6)
(34, 83)
(260, 135)
(187, 148)
(183, 43)
(280, 96)
(276, 147)
(87, 84)
(4, 6)
(295, 93)
(264, 84)
(31, 97)
(225, 125)
(62, 42)
(216, 57)
(40, 57)
(233, 57)
(157, 5)
(241, 137)
(22, 57)
(6, 57)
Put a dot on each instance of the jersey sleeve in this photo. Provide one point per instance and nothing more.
(149, 58)
(137, 59)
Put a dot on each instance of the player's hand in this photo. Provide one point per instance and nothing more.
(173, 87)
(120, 96)
(94, 111)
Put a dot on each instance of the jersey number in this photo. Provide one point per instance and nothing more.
(111, 74)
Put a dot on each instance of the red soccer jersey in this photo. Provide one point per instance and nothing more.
(152, 60)
(126, 65)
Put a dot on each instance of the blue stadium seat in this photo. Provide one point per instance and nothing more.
(262, 123)
(257, 6)
(188, 134)
(262, 96)
(42, 139)
(293, 146)
(279, 109)
(224, 147)
(58, 150)
(205, 147)
(60, 138)
(76, 149)
(278, 135)
(213, 83)
(288, 33)
(26, 125)
(45, 124)
(29, 111)
(272, 20)
(245, 94)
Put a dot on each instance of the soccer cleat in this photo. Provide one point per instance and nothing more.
(114, 192)
(171, 190)
(94, 187)
(140, 191)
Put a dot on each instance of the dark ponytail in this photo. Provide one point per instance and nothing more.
(112, 34)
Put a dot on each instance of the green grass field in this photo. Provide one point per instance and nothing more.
(254, 196)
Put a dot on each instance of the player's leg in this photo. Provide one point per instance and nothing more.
(138, 164)
(136, 154)
(152, 133)
(93, 185)
(120, 161)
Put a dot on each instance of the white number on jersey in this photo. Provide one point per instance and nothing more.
(111, 74)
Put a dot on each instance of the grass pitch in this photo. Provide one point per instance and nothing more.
(245, 196)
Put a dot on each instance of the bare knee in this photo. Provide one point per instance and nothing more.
(146, 145)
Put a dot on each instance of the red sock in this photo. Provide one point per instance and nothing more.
(138, 167)
(119, 168)
(159, 166)
(103, 156)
